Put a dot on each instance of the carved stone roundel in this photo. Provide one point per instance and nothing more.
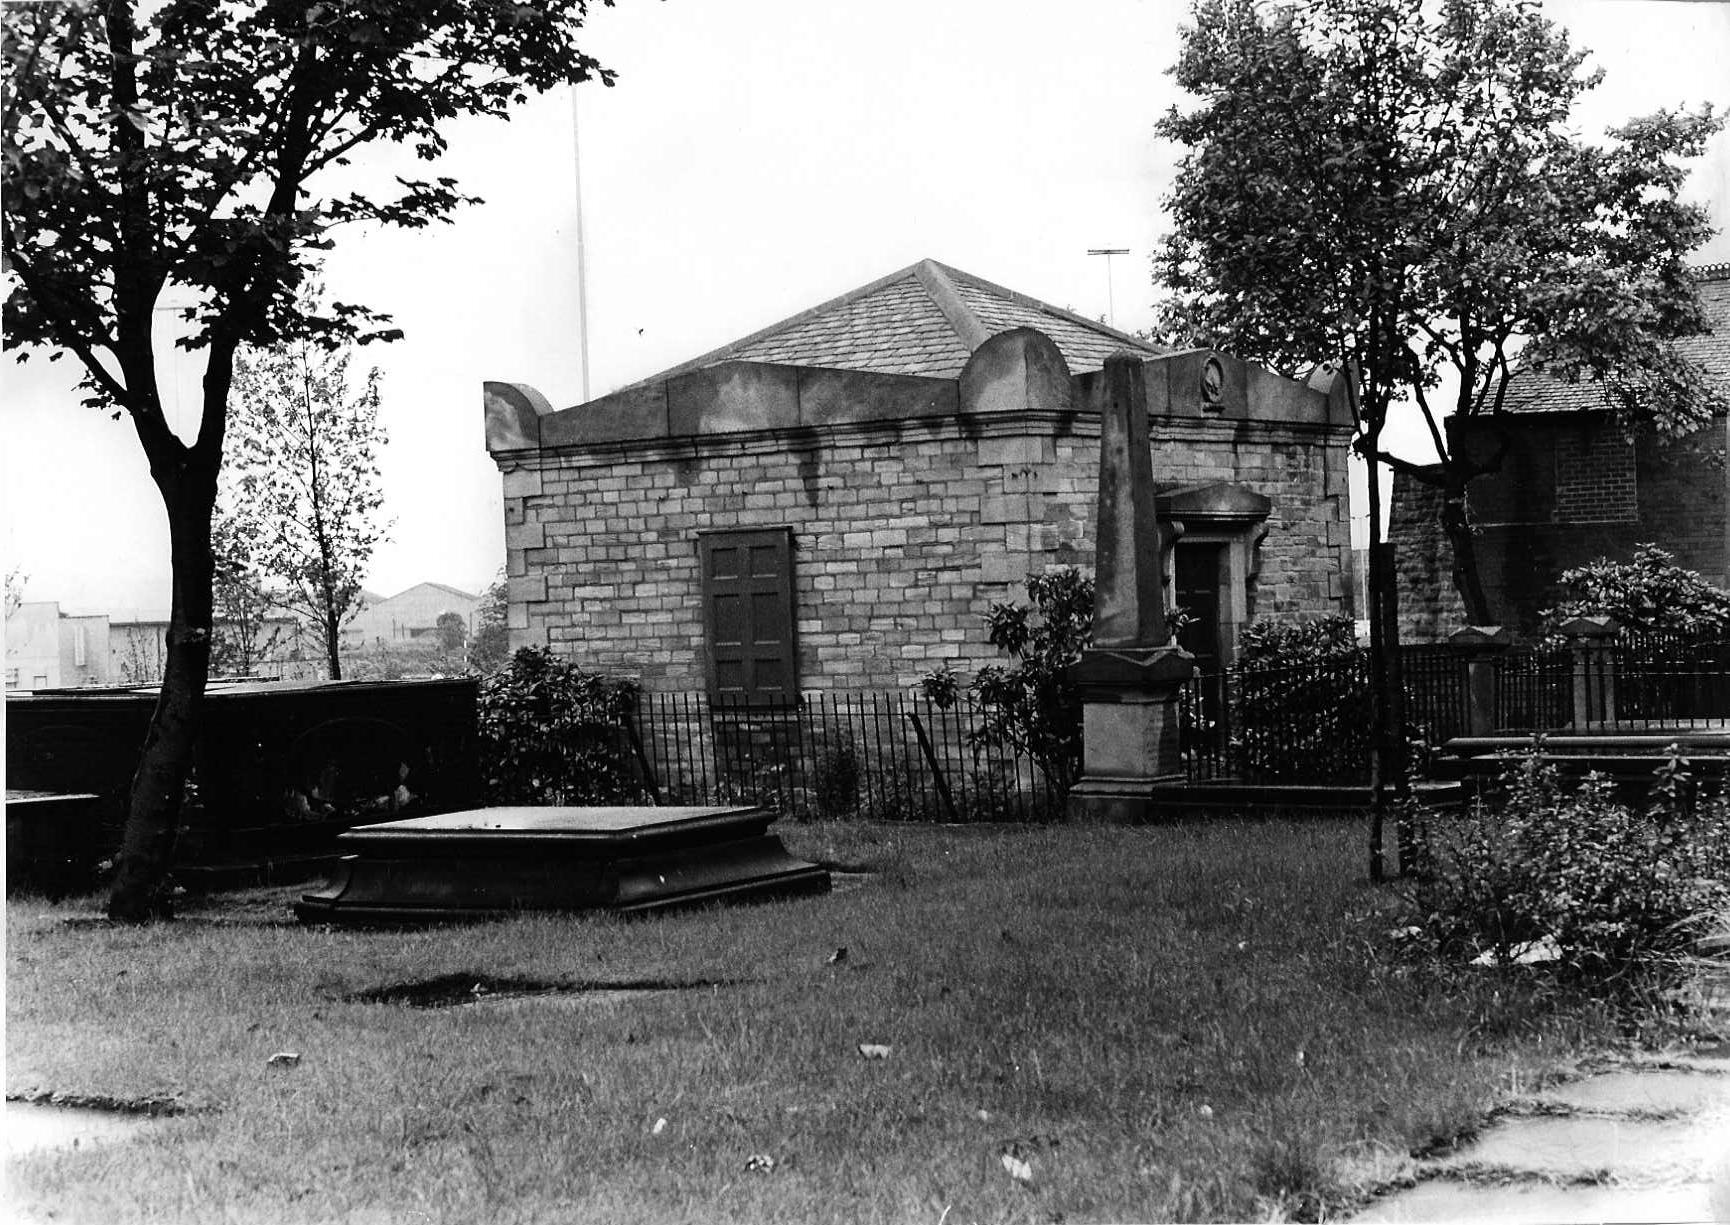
(1212, 383)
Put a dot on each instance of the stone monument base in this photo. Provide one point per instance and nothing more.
(498, 861)
(1119, 801)
(1129, 712)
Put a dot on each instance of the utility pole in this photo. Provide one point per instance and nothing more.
(1110, 294)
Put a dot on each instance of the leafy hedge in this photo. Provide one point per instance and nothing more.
(1299, 699)
(551, 733)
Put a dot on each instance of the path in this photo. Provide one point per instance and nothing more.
(1647, 1141)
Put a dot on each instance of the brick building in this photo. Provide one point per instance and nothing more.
(1572, 487)
(836, 501)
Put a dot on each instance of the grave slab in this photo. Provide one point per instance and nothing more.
(489, 862)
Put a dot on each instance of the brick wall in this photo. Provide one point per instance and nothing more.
(904, 534)
(1570, 490)
(1595, 477)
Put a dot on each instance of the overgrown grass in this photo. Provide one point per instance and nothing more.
(1183, 1023)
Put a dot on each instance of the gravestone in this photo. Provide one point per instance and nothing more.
(1131, 677)
(489, 862)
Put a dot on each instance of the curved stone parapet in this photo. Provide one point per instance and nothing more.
(1021, 370)
(513, 416)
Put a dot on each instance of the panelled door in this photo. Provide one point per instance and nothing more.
(748, 613)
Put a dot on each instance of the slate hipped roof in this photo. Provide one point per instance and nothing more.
(1531, 392)
(925, 319)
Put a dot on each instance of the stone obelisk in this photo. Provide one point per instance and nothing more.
(1131, 676)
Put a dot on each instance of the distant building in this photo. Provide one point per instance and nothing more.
(1571, 488)
(408, 619)
(49, 649)
(138, 649)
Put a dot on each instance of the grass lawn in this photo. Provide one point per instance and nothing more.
(1195, 1022)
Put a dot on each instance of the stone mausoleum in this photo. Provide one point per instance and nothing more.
(836, 501)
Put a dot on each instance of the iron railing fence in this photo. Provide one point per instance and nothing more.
(1299, 724)
(887, 756)
(901, 756)
(1533, 689)
(1651, 680)
(1438, 703)
(1632, 681)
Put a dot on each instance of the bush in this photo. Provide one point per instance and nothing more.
(551, 733)
(1032, 705)
(1298, 701)
(1649, 593)
(1613, 889)
(1285, 644)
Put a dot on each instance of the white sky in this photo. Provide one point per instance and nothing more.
(755, 158)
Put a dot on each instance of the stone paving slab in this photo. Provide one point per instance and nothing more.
(1659, 1136)
(1528, 1204)
(33, 1128)
(1653, 1091)
(1571, 1148)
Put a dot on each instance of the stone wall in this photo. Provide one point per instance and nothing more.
(1430, 608)
(905, 533)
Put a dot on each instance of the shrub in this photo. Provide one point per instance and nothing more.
(551, 733)
(1285, 644)
(1613, 888)
(1298, 702)
(835, 777)
(1032, 705)
(1649, 593)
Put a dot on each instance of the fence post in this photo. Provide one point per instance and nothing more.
(1591, 643)
(1479, 648)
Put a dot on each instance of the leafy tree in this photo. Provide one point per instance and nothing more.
(452, 632)
(1394, 185)
(1650, 592)
(302, 485)
(1391, 187)
(189, 144)
(491, 644)
(242, 634)
(15, 581)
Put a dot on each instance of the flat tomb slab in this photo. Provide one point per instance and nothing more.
(493, 861)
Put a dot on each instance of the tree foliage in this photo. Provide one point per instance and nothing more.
(199, 146)
(491, 644)
(243, 635)
(300, 499)
(1394, 185)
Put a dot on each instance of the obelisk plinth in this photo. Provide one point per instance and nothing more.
(1131, 676)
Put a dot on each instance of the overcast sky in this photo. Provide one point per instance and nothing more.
(755, 158)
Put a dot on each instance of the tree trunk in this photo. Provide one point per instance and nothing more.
(333, 643)
(1387, 686)
(1378, 670)
(1458, 529)
(140, 890)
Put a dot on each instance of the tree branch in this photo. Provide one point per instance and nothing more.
(68, 334)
